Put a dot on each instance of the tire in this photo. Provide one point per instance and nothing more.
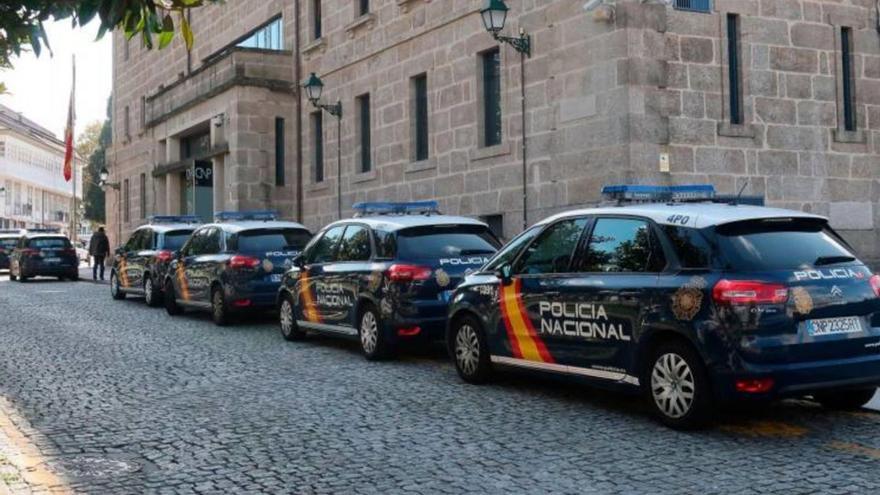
(115, 291)
(152, 295)
(12, 276)
(219, 309)
(469, 350)
(374, 341)
(287, 320)
(74, 277)
(677, 387)
(170, 299)
(845, 400)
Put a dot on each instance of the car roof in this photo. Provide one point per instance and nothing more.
(239, 226)
(397, 222)
(166, 227)
(46, 235)
(695, 215)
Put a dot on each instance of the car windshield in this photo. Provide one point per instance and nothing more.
(784, 244)
(49, 243)
(267, 240)
(175, 239)
(441, 241)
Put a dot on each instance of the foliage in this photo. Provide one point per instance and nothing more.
(22, 21)
(92, 145)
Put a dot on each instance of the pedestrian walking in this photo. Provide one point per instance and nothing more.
(99, 249)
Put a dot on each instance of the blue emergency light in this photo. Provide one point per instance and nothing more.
(11, 231)
(255, 215)
(160, 219)
(44, 230)
(636, 192)
(388, 208)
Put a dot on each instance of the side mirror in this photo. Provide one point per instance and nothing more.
(120, 251)
(299, 262)
(504, 274)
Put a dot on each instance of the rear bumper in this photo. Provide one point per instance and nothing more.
(800, 379)
(257, 295)
(31, 270)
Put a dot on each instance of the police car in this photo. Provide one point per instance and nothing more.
(690, 302)
(383, 276)
(140, 266)
(233, 264)
(8, 240)
(43, 252)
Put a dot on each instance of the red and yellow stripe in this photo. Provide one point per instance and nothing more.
(181, 281)
(123, 275)
(524, 340)
(310, 309)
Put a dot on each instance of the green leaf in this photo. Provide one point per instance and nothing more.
(167, 31)
(186, 31)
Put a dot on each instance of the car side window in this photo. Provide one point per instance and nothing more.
(132, 243)
(509, 252)
(325, 248)
(622, 245)
(212, 241)
(197, 243)
(355, 244)
(552, 250)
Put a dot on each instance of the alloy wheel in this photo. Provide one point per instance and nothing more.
(672, 385)
(286, 317)
(148, 291)
(467, 349)
(369, 332)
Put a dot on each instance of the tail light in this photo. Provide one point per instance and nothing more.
(164, 256)
(737, 292)
(30, 252)
(408, 273)
(875, 284)
(238, 261)
(69, 251)
(754, 386)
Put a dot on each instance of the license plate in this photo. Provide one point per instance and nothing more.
(275, 277)
(52, 260)
(833, 326)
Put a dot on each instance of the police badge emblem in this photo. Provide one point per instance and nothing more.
(803, 302)
(688, 299)
(442, 277)
(267, 265)
(375, 281)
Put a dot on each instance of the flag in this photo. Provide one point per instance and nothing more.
(68, 131)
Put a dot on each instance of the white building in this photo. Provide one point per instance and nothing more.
(33, 192)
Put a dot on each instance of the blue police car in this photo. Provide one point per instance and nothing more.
(384, 276)
(233, 264)
(690, 302)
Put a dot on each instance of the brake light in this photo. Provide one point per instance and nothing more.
(409, 332)
(408, 273)
(239, 261)
(875, 284)
(749, 292)
(69, 251)
(164, 256)
(754, 386)
(30, 252)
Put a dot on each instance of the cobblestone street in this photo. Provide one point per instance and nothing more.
(120, 398)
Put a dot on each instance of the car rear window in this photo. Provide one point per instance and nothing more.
(8, 243)
(440, 241)
(265, 240)
(49, 243)
(175, 239)
(783, 244)
(691, 247)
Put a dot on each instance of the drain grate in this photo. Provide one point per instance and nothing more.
(94, 466)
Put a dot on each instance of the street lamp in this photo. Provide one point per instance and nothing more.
(494, 15)
(104, 176)
(314, 87)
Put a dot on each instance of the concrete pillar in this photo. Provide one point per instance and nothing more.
(172, 193)
(219, 185)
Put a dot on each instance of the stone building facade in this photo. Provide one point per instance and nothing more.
(777, 98)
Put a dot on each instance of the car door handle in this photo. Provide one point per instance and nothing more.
(630, 293)
(552, 293)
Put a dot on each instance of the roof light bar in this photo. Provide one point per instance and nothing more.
(46, 230)
(11, 231)
(165, 219)
(388, 208)
(635, 192)
(255, 215)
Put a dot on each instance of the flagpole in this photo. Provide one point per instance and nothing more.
(74, 235)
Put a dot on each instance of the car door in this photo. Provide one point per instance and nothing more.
(343, 278)
(201, 268)
(311, 286)
(124, 261)
(529, 329)
(135, 258)
(612, 293)
(187, 273)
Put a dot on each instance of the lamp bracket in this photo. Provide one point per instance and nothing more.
(522, 43)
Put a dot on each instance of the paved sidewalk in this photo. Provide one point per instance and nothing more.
(85, 274)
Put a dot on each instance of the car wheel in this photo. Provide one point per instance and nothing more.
(845, 400)
(678, 387)
(469, 351)
(171, 306)
(286, 316)
(74, 277)
(115, 290)
(151, 292)
(374, 342)
(219, 311)
(12, 275)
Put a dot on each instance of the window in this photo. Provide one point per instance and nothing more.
(734, 72)
(694, 5)
(491, 62)
(363, 108)
(174, 239)
(552, 251)
(125, 48)
(363, 7)
(126, 125)
(386, 244)
(126, 198)
(420, 117)
(264, 241)
(316, 19)
(445, 241)
(279, 151)
(143, 195)
(143, 112)
(318, 146)
(355, 245)
(509, 252)
(324, 249)
(267, 37)
(848, 82)
(622, 245)
(691, 247)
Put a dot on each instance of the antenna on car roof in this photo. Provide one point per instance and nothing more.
(735, 201)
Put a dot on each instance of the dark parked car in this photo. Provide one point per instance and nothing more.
(43, 253)
(8, 240)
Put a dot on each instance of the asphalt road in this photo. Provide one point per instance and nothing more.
(124, 399)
